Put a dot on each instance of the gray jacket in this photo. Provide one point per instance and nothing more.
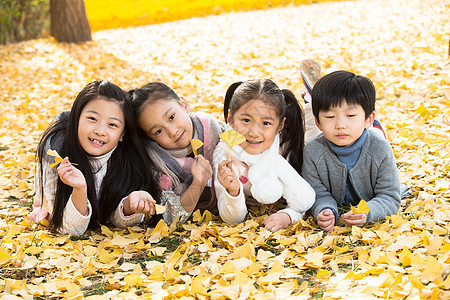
(374, 177)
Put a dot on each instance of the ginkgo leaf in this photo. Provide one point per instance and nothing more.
(159, 209)
(58, 158)
(361, 209)
(232, 138)
(196, 144)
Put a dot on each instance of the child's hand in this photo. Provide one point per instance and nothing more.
(71, 175)
(201, 171)
(326, 220)
(352, 219)
(227, 178)
(277, 221)
(139, 202)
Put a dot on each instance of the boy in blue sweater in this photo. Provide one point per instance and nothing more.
(347, 162)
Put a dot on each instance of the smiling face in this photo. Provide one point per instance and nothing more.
(101, 126)
(344, 124)
(167, 122)
(258, 123)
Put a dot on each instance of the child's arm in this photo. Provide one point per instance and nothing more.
(201, 172)
(74, 178)
(232, 209)
(387, 198)
(73, 221)
(132, 209)
(324, 200)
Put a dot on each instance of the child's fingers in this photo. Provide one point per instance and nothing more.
(224, 164)
(323, 217)
(350, 216)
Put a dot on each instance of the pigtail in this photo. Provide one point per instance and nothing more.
(227, 100)
(293, 133)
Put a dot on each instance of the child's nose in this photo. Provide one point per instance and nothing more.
(340, 123)
(100, 129)
(173, 130)
(254, 130)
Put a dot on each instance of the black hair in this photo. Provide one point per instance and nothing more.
(129, 167)
(150, 93)
(333, 89)
(286, 106)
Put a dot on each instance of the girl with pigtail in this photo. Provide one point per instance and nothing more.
(266, 166)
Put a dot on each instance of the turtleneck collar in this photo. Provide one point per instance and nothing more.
(349, 154)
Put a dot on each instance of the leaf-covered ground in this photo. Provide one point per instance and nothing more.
(402, 45)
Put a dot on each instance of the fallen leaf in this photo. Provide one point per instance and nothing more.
(362, 208)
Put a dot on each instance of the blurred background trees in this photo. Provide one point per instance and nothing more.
(23, 20)
(65, 20)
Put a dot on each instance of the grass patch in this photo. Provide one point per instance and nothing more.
(98, 287)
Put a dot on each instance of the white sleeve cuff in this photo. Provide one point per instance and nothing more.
(120, 220)
(73, 221)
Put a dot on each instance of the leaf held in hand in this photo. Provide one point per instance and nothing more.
(361, 209)
(55, 154)
(196, 144)
(58, 158)
(159, 209)
(232, 138)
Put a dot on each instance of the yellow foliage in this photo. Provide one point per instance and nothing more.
(405, 256)
(104, 14)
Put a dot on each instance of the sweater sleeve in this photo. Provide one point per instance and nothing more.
(232, 210)
(387, 198)
(118, 218)
(73, 221)
(310, 173)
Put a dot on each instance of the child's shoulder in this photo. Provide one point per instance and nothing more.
(377, 142)
(316, 146)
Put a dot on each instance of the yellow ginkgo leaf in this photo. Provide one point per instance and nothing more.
(58, 158)
(232, 138)
(361, 209)
(196, 144)
(159, 209)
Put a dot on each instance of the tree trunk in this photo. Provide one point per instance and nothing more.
(69, 21)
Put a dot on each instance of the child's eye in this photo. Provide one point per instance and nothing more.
(329, 117)
(172, 116)
(91, 118)
(113, 125)
(246, 120)
(351, 116)
(266, 123)
(157, 132)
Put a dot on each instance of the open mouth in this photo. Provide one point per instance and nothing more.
(96, 142)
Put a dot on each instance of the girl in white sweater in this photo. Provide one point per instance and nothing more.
(109, 176)
(254, 172)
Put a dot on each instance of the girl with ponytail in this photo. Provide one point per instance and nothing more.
(265, 167)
